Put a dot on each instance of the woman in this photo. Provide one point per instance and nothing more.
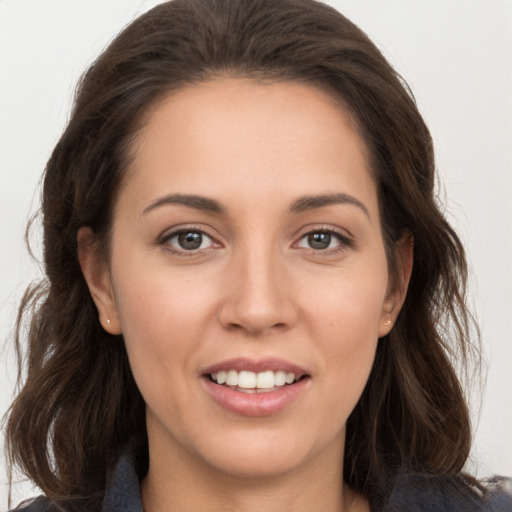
(252, 296)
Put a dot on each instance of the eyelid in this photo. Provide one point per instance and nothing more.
(170, 233)
(346, 240)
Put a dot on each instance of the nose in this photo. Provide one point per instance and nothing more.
(258, 295)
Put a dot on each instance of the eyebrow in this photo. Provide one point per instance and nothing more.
(210, 205)
(190, 200)
(311, 202)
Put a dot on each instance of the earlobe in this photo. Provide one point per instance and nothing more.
(404, 250)
(97, 275)
(385, 324)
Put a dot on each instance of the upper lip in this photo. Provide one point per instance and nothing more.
(256, 366)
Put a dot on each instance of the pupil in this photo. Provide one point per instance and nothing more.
(190, 241)
(319, 240)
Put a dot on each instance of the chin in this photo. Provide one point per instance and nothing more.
(258, 465)
(263, 454)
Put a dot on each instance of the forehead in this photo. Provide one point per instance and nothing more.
(247, 102)
(236, 134)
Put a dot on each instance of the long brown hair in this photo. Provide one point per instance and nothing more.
(79, 403)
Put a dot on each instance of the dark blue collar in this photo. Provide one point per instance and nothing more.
(409, 492)
(123, 491)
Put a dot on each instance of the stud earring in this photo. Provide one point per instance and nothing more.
(388, 321)
(108, 321)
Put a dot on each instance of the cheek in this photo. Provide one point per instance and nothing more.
(153, 297)
(346, 330)
(349, 303)
(162, 315)
(349, 352)
(350, 333)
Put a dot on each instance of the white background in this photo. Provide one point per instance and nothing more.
(456, 56)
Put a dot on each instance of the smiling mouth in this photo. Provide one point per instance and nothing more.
(252, 382)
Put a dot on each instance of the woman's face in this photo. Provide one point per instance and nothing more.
(247, 248)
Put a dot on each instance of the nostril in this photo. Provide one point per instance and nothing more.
(254, 329)
(234, 327)
(255, 313)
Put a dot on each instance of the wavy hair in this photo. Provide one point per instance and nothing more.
(78, 402)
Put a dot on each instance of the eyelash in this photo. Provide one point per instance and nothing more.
(344, 242)
(165, 240)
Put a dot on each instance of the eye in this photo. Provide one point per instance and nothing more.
(323, 240)
(188, 240)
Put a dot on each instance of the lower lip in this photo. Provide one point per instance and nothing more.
(256, 404)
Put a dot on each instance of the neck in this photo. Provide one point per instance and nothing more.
(188, 485)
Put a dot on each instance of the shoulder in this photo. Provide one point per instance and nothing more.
(122, 493)
(40, 504)
(500, 494)
(426, 493)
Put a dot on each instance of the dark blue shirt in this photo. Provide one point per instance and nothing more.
(410, 493)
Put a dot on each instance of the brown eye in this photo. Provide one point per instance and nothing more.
(188, 240)
(325, 240)
(319, 241)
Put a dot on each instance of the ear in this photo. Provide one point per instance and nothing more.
(397, 292)
(97, 275)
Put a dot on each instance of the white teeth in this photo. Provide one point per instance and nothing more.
(280, 378)
(246, 380)
(265, 380)
(252, 380)
(232, 378)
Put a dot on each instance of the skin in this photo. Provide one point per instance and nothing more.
(255, 289)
